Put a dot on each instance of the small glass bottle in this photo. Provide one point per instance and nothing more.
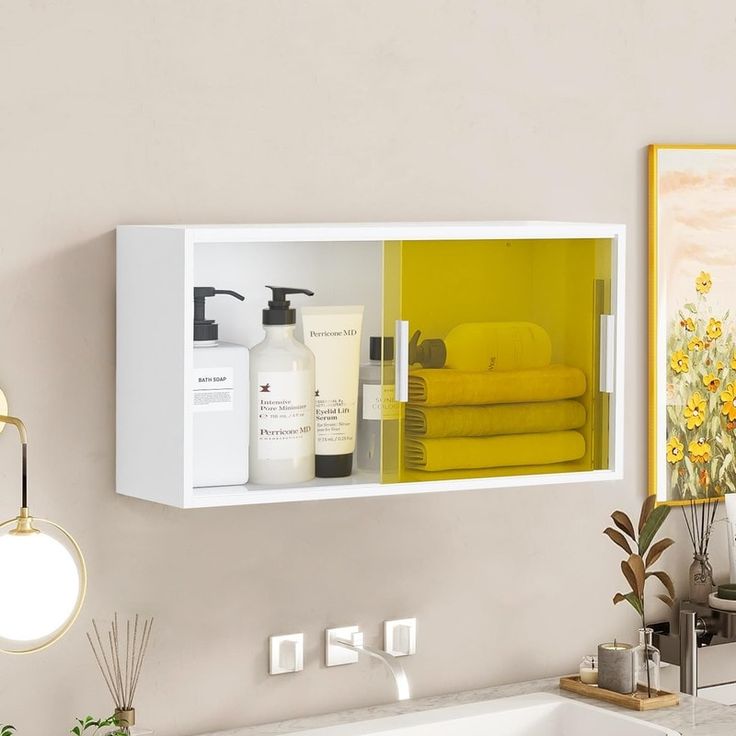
(647, 662)
(700, 579)
(375, 403)
(589, 670)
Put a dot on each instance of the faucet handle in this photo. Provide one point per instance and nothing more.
(336, 653)
(356, 639)
(400, 637)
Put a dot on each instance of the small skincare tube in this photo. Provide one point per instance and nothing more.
(333, 335)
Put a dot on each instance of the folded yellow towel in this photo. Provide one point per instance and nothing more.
(446, 387)
(457, 453)
(494, 419)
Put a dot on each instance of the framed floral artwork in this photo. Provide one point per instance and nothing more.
(692, 321)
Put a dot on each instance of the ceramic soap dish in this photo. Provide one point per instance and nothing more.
(721, 604)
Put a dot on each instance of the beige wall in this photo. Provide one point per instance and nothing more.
(297, 110)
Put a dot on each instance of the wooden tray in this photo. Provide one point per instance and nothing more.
(635, 701)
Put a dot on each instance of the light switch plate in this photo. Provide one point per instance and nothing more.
(286, 654)
(400, 637)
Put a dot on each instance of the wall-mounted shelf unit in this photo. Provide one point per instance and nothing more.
(565, 277)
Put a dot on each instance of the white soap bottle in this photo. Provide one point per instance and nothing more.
(282, 398)
(220, 400)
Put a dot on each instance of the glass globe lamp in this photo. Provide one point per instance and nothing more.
(43, 577)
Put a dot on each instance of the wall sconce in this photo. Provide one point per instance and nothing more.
(43, 578)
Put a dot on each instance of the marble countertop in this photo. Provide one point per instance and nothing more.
(693, 717)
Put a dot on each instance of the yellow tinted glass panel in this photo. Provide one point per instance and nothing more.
(509, 338)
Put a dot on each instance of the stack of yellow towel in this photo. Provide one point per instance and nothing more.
(467, 420)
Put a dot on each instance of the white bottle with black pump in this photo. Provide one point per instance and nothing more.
(220, 400)
(282, 397)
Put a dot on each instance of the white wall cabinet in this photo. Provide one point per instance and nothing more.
(566, 277)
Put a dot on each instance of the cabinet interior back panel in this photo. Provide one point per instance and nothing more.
(338, 273)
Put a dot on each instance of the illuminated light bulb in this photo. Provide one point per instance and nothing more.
(39, 583)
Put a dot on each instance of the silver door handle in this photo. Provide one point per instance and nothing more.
(401, 363)
(607, 349)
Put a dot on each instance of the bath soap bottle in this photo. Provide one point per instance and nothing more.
(282, 398)
(376, 402)
(219, 401)
(485, 346)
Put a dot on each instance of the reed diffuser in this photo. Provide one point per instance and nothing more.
(699, 522)
(120, 663)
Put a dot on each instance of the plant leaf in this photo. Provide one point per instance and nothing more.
(635, 602)
(666, 599)
(618, 598)
(623, 522)
(637, 565)
(665, 579)
(619, 539)
(651, 526)
(633, 570)
(646, 509)
(656, 551)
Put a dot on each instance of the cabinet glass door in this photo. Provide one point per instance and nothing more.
(510, 350)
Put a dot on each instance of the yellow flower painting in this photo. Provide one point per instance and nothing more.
(694, 411)
(693, 311)
(703, 283)
(679, 362)
(701, 397)
(674, 450)
(699, 451)
(713, 330)
(712, 382)
(728, 397)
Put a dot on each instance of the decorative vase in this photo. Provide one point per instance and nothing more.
(647, 662)
(700, 579)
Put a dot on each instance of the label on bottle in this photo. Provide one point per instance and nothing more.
(214, 389)
(285, 413)
(379, 402)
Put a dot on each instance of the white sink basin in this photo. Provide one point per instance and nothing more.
(539, 714)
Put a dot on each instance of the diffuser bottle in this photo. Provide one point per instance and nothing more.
(282, 397)
(219, 401)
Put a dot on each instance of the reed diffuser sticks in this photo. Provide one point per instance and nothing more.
(121, 667)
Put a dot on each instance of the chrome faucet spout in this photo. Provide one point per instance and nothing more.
(393, 664)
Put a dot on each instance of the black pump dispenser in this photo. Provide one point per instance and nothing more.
(207, 329)
(430, 353)
(279, 311)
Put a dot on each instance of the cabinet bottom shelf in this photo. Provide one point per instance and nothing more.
(362, 485)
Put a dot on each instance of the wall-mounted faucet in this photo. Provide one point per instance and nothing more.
(344, 645)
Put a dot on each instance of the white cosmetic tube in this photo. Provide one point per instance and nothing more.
(333, 335)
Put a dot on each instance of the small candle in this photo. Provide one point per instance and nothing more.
(589, 670)
(616, 667)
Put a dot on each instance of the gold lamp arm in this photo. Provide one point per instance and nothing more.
(23, 433)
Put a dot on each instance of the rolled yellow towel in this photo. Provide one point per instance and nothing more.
(494, 419)
(458, 453)
(446, 387)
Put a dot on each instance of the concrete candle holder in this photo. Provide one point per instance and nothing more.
(616, 667)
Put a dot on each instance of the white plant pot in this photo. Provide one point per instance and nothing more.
(730, 500)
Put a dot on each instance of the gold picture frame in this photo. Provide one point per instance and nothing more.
(692, 321)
